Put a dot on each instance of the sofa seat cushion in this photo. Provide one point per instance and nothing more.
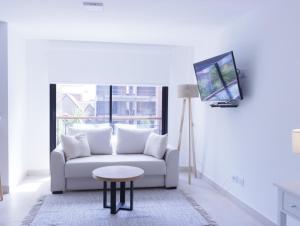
(83, 167)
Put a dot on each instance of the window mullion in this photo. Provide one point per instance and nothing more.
(110, 105)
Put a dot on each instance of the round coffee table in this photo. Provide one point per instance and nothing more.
(114, 174)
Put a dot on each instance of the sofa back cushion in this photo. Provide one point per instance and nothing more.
(99, 139)
(156, 145)
(131, 141)
(75, 146)
(124, 126)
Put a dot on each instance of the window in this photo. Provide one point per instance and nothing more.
(137, 105)
(79, 105)
(146, 91)
(92, 105)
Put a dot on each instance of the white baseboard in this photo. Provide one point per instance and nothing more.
(185, 169)
(254, 213)
(38, 173)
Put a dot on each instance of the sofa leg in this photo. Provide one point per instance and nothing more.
(57, 192)
(170, 188)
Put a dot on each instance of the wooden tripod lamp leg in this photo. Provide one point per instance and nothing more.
(190, 151)
(193, 144)
(1, 191)
(191, 139)
(181, 124)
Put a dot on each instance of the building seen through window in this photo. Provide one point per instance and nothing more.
(89, 106)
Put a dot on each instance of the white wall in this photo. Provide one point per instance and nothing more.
(13, 106)
(107, 63)
(254, 140)
(17, 107)
(38, 106)
(91, 62)
(3, 104)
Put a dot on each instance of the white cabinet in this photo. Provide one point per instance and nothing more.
(288, 202)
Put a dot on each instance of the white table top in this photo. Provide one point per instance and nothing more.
(118, 173)
(292, 187)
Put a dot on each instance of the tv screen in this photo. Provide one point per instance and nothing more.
(217, 79)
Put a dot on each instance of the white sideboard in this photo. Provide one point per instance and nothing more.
(288, 201)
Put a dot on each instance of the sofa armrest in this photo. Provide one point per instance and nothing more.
(172, 164)
(57, 169)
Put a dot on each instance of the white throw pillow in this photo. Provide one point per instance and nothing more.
(131, 141)
(156, 145)
(75, 146)
(99, 139)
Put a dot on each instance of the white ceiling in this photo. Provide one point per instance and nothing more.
(157, 21)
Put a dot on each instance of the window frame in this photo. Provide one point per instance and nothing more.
(52, 89)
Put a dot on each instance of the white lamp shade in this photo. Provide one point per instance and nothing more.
(187, 91)
(296, 141)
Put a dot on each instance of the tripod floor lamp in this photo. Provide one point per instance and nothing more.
(186, 92)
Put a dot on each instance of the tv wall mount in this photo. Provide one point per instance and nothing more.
(227, 104)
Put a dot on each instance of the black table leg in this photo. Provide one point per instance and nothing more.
(131, 195)
(122, 192)
(113, 206)
(105, 194)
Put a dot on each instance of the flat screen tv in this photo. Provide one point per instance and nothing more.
(218, 79)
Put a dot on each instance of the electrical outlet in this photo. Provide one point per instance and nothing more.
(241, 181)
(238, 180)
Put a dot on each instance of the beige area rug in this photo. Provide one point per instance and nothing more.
(152, 207)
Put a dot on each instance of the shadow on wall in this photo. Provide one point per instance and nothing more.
(247, 67)
(243, 79)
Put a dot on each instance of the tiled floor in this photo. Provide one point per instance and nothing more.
(17, 204)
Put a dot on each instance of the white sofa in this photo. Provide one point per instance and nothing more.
(76, 174)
